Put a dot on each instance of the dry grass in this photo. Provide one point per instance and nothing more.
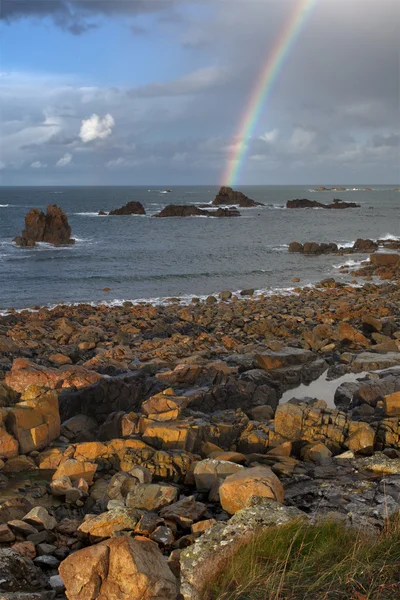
(314, 562)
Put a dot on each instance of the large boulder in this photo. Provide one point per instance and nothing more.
(385, 259)
(25, 373)
(391, 404)
(130, 208)
(296, 247)
(288, 422)
(208, 472)
(286, 357)
(52, 227)
(361, 245)
(109, 523)
(228, 196)
(121, 568)
(35, 421)
(237, 489)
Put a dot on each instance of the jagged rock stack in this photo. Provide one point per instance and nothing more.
(52, 227)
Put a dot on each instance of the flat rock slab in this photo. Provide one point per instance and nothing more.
(287, 357)
(368, 361)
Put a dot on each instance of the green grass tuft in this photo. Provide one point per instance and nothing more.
(327, 561)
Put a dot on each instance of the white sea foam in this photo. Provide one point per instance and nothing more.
(4, 205)
(389, 236)
(184, 300)
(89, 214)
(345, 244)
(350, 264)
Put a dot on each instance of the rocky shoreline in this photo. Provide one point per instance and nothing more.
(147, 442)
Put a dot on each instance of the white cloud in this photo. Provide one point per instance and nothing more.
(94, 127)
(38, 165)
(65, 160)
(270, 136)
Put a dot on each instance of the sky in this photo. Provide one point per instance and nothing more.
(140, 92)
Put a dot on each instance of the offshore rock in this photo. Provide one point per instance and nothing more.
(184, 210)
(52, 227)
(304, 203)
(228, 196)
(130, 208)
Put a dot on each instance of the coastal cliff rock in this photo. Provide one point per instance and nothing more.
(184, 210)
(336, 204)
(227, 196)
(130, 208)
(52, 227)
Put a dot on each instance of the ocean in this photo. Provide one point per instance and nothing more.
(141, 258)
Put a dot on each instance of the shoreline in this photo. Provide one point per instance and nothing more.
(182, 428)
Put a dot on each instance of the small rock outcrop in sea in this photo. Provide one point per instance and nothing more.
(227, 195)
(304, 203)
(184, 210)
(360, 246)
(313, 248)
(52, 227)
(130, 208)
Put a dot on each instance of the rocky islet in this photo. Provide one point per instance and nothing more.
(52, 228)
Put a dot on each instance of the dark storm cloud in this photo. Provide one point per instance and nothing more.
(333, 110)
(77, 16)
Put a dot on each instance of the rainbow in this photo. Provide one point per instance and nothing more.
(262, 90)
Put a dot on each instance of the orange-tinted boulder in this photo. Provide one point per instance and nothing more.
(237, 489)
(121, 568)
